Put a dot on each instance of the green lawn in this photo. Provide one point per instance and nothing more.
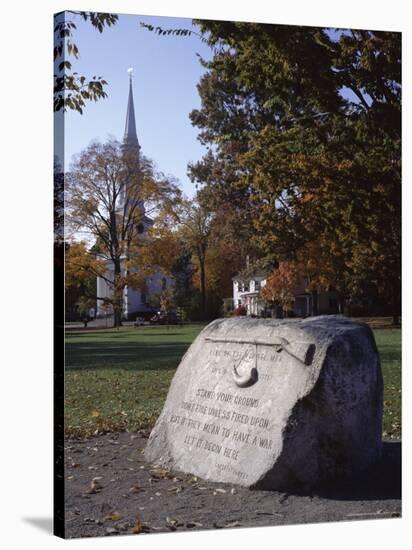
(118, 379)
(389, 345)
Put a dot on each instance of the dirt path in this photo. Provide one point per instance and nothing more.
(112, 490)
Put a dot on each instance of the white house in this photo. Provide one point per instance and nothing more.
(246, 291)
(135, 300)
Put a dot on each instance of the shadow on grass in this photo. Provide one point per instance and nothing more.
(123, 334)
(101, 355)
(381, 482)
(389, 353)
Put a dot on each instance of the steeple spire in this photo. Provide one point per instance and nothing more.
(130, 135)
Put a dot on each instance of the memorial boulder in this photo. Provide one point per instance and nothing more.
(273, 404)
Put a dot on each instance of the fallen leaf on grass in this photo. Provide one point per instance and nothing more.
(175, 490)
(95, 487)
(139, 527)
(114, 516)
(173, 524)
(160, 474)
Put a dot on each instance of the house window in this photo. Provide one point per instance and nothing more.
(239, 303)
(257, 285)
(243, 287)
(140, 228)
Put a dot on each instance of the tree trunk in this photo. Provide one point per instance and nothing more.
(341, 303)
(203, 287)
(314, 294)
(117, 318)
(117, 295)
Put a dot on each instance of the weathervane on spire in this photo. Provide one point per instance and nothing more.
(130, 71)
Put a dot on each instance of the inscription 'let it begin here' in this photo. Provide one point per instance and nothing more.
(224, 438)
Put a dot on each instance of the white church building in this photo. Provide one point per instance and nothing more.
(136, 301)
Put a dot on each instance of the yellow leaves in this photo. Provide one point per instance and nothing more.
(81, 265)
(159, 251)
(95, 414)
(139, 527)
(114, 516)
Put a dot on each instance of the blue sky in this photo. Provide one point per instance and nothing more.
(166, 71)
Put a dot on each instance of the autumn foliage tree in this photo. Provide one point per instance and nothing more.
(111, 191)
(81, 271)
(281, 286)
(193, 221)
(303, 126)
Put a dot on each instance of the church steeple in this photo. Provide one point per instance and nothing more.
(130, 135)
(131, 148)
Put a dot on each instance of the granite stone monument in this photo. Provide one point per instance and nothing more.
(274, 404)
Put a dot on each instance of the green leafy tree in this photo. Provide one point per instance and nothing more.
(71, 90)
(307, 162)
(194, 221)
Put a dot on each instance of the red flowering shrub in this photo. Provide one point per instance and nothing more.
(240, 310)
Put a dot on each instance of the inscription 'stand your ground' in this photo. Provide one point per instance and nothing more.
(273, 404)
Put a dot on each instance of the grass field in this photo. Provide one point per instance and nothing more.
(389, 346)
(118, 379)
